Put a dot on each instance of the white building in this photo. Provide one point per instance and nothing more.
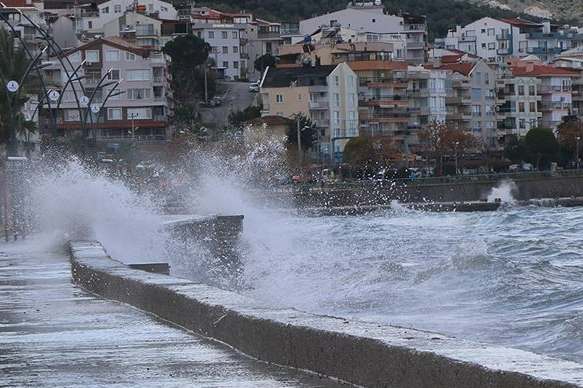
(369, 23)
(92, 23)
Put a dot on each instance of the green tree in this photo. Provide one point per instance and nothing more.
(542, 147)
(239, 118)
(307, 132)
(14, 63)
(568, 131)
(264, 61)
(189, 55)
(359, 151)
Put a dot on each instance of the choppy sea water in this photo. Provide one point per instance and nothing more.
(512, 277)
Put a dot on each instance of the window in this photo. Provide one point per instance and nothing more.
(336, 117)
(279, 98)
(138, 75)
(351, 99)
(300, 97)
(117, 8)
(105, 10)
(224, 35)
(130, 56)
(225, 64)
(351, 81)
(113, 74)
(225, 50)
(111, 55)
(532, 106)
(521, 90)
(211, 34)
(235, 49)
(72, 115)
(138, 94)
(75, 57)
(89, 24)
(92, 55)
(491, 46)
(114, 113)
(521, 106)
(532, 90)
(234, 35)
(336, 99)
(139, 113)
(336, 80)
(235, 64)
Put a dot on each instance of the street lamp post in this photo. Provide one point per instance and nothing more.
(577, 151)
(132, 116)
(455, 144)
(299, 131)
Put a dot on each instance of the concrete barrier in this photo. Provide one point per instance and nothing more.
(365, 354)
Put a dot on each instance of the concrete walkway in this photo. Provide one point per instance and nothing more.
(54, 334)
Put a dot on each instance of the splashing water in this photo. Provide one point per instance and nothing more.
(510, 277)
(73, 202)
(504, 193)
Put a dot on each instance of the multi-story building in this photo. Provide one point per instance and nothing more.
(471, 100)
(368, 22)
(519, 103)
(495, 40)
(90, 85)
(555, 90)
(327, 94)
(92, 21)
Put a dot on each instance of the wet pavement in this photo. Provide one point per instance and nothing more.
(55, 334)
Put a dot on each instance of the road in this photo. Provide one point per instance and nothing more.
(55, 334)
(235, 96)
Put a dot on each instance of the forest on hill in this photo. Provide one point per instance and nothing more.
(442, 15)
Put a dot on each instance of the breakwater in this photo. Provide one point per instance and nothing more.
(364, 354)
(447, 195)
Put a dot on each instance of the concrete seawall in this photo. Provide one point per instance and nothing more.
(364, 354)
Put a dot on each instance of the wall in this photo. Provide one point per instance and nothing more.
(365, 354)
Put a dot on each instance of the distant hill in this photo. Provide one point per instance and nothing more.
(442, 15)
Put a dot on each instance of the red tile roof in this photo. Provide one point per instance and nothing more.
(461, 67)
(543, 71)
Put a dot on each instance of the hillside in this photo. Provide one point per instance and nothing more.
(441, 14)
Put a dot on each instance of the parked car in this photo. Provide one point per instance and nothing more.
(215, 101)
(254, 87)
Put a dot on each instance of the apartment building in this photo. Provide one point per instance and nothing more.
(555, 91)
(327, 94)
(519, 103)
(496, 40)
(91, 21)
(471, 98)
(108, 90)
(226, 34)
(367, 22)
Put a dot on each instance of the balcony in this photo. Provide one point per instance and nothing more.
(317, 105)
(467, 39)
(504, 37)
(503, 51)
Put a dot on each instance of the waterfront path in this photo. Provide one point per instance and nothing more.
(55, 334)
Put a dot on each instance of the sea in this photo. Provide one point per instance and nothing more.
(512, 277)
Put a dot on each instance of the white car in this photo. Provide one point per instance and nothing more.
(254, 87)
